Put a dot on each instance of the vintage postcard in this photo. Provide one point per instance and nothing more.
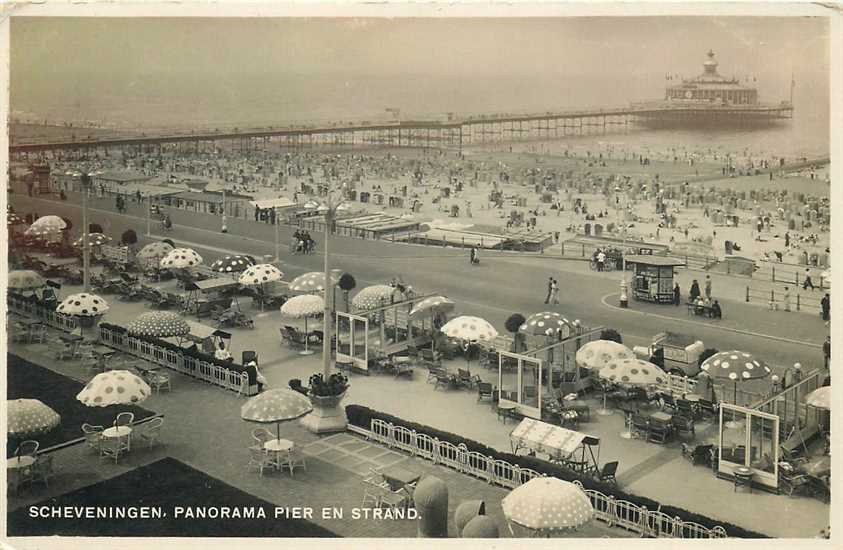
(307, 271)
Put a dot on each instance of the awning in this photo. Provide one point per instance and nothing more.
(281, 202)
(216, 283)
(556, 441)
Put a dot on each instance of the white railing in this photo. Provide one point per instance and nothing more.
(607, 508)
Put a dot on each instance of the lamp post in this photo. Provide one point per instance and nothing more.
(624, 299)
(86, 255)
(327, 316)
(278, 236)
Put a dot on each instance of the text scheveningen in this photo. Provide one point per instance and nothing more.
(216, 512)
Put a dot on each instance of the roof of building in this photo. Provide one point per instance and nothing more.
(646, 259)
(123, 176)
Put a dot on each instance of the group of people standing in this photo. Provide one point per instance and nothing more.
(552, 291)
(302, 243)
(703, 305)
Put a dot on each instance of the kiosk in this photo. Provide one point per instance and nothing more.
(204, 296)
(653, 280)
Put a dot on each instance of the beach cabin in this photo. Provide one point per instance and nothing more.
(653, 281)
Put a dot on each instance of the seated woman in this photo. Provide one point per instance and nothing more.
(222, 354)
(700, 305)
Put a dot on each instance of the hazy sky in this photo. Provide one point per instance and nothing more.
(78, 60)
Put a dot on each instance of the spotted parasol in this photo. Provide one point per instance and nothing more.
(372, 297)
(470, 329)
(28, 417)
(600, 353)
(548, 504)
(432, 306)
(260, 274)
(94, 239)
(233, 264)
(13, 219)
(546, 323)
(633, 372)
(47, 233)
(159, 324)
(116, 387)
(313, 281)
(275, 406)
(155, 250)
(181, 258)
(25, 279)
(83, 305)
(735, 365)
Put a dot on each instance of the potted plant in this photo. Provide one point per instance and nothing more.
(325, 395)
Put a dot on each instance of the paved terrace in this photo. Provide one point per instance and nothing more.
(203, 429)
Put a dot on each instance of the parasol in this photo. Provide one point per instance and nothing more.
(25, 279)
(432, 306)
(54, 223)
(154, 250)
(599, 353)
(94, 239)
(181, 258)
(548, 504)
(233, 264)
(116, 387)
(372, 297)
(83, 305)
(158, 324)
(260, 274)
(313, 281)
(546, 323)
(735, 366)
(302, 307)
(471, 329)
(13, 219)
(48, 233)
(275, 406)
(633, 372)
(27, 417)
(820, 398)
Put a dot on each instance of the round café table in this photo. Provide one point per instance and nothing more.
(119, 432)
(20, 462)
(743, 476)
(506, 410)
(278, 448)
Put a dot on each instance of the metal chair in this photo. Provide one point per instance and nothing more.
(607, 473)
(27, 448)
(259, 458)
(42, 469)
(485, 390)
(150, 432)
(124, 419)
(93, 435)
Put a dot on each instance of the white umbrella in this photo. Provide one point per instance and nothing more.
(599, 353)
(469, 328)
(158, 324)
(633, 372)
(181, 258)
(432, 306)
(94, 239)
(275, 406)
(116, 387)
(313, 281)
(53, 222)
(548, 504)
(302, 307)
(154, 250)
(83, 305)
(372, 297)
(260, 274)
(820, 398)
(48, 233)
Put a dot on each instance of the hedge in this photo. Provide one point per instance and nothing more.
(361, 416)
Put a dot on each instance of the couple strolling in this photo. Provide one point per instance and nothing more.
(552, 291)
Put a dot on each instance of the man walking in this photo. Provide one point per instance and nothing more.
(554, 291)
(825, 304)
(601, 259)
(708, 287)
(694, 292)
(549, 289)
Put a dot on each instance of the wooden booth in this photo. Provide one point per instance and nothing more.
(653, 281)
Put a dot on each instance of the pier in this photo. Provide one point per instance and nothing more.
(450, 134)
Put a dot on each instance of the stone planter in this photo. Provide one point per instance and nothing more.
(327, 416)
